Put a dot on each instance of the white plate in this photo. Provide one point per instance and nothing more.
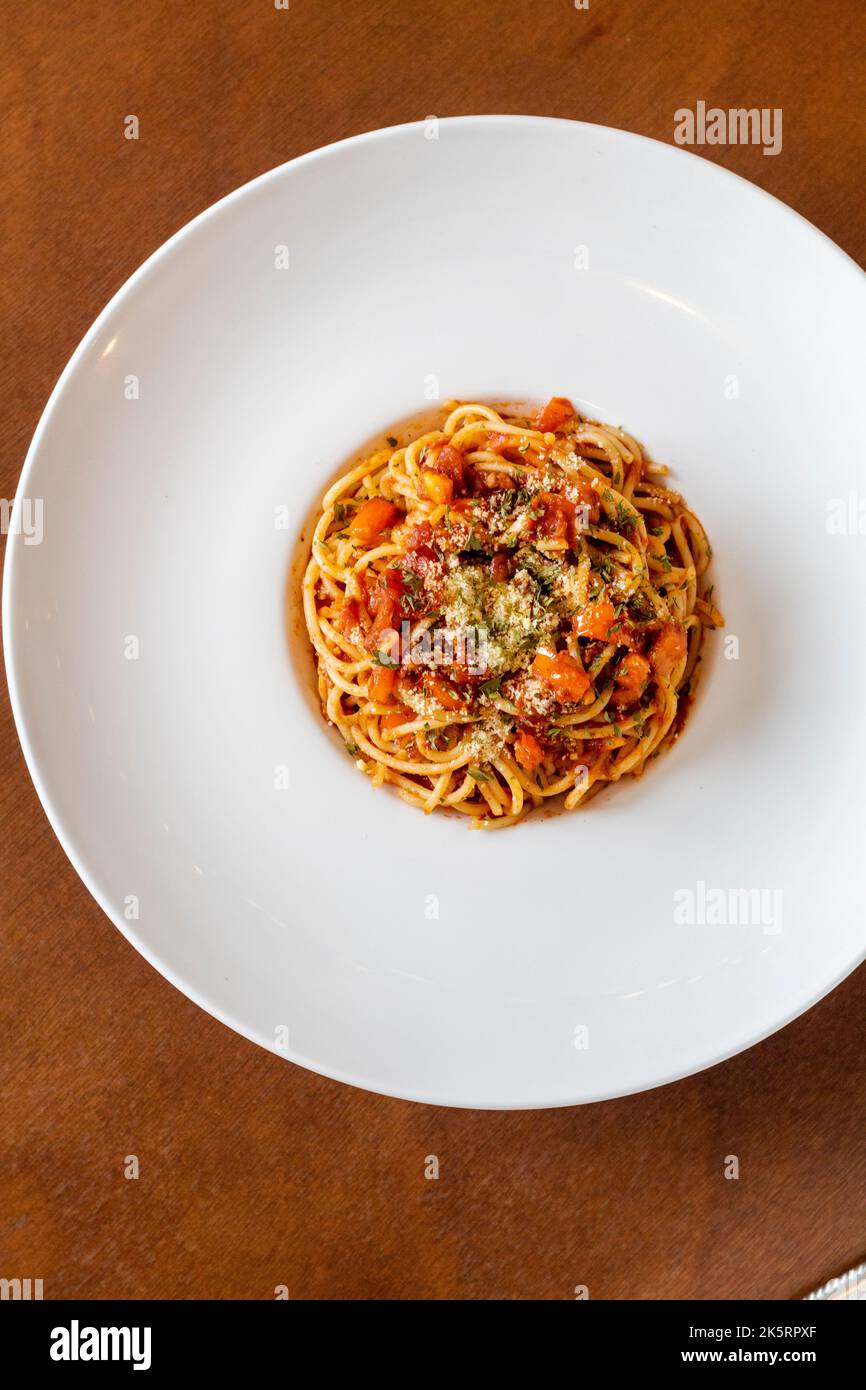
(712, 322)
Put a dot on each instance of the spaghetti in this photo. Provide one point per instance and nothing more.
(506, 610)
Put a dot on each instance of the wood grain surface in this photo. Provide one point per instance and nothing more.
(255, 1173)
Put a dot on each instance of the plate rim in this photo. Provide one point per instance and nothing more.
(66, 838)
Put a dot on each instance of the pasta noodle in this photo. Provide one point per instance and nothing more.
(506, 612)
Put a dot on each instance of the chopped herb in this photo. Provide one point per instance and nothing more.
(352, 748)
(412, 599)
(665, 564)
(492, 687)
(383, 659)
(477, 774)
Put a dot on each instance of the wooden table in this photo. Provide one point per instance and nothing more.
(255, 1173)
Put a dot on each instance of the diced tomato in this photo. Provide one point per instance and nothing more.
(384, 602)
(347, 617)
(457, 524)
(586, 500)
(353, 614)
(386, 588)
(499, 443)
(422, 560)
(376, 640)
(380, 686)
(469, 674)
(501, 567)
(429, 596)
(527, 750)
(394, 718)
(492, 482)
(595, 620)
(392, 580)
(557, 411)
(381, 596)
(668, 649)
(443, 692)
(421, 535)
(436, 486)
(371, 519)
(445, 459)
(565, 676)
(630, 680)
(556, 516)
